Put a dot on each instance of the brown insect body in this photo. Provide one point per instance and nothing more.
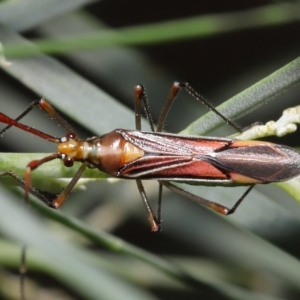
(134, 154)
(138, 155)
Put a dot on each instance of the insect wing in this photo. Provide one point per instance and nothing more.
(263, 161)
(173, 157)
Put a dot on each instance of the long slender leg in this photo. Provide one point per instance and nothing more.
(32, 166)
(32, 190)
(56, 203)
(23, 114)
(160, 125)
(237, 204)
(155, 226)
(172, 96)
(48, 108)
(163, 115)
(140, 98)
(159, 203)
(208, 203)
(63, 195)
(7, 120)
(200, 98)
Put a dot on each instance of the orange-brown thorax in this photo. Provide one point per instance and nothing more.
(108, 153)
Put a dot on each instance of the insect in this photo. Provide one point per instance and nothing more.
(138, 155)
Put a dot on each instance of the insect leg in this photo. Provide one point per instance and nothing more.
(47, 107)
(141, 99)
(23, 114)
(56, 203)
(200, 98)
(208, 203)
(160, 125)
(32, 190)
(163, 115)
(154, 224)
(32, 166)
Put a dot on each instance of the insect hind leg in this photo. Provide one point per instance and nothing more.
(219, 208)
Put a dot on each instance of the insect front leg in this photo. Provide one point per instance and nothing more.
(23, 114)
(60, 199)
(34, 191)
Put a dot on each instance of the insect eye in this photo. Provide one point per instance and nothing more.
(68, 161)
(71, 135)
